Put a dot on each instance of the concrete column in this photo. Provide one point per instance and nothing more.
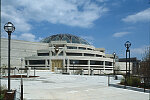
(89, 67)
(82, 71)
(50, 64)
(63, 65)
(92, 72)
(82, 54)
(27, 63)
(46, 63)
(64, 53)
(50, 55)
(14, 71)
(68, 64)
(28, 71)
(104, 65)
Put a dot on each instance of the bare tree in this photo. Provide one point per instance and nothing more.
(145, 65)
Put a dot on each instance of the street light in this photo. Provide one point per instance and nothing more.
(21, 65)
(73, 66)
(127, 45)
(9, 28)
(21, 80)
(114, 63)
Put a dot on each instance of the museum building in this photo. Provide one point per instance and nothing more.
(60, 52)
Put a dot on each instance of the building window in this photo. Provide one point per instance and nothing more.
(74, 54)
(79, 62)
(26, 63)
(66, 61)
(61, 53)
(70, 47)
(82, 48)
(53, 54)
(37, 62)
(48, 62)
(108, 63)
(96, 62)
(43, 54)
(108, 69)
(102, 51)
(98, 55)
(87, 54)
(89, 49)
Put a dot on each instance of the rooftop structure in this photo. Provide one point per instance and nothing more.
(69, 38)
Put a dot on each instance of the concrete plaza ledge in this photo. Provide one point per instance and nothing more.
(130, 88)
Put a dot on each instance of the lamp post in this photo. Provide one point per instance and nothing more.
(127, 45)
(114, 63)
(73, 66)
(21, 80)
(21, 66)
(9, 28)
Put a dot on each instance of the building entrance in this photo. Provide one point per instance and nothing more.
(57, 64)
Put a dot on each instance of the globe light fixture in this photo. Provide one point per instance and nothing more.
(9, 28)
(114, 63)
(127, 45)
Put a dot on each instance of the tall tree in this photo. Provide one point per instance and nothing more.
(145, 64)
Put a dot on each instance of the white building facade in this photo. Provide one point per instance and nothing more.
(64, 52)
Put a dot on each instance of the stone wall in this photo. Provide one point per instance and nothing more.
(19, 49)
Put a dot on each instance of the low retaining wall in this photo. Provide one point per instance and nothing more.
(130, 88)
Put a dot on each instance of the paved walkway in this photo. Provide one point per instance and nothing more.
(50, 86)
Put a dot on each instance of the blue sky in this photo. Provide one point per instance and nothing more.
(103, 23)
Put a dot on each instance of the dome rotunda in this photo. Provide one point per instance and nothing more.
(69, 38)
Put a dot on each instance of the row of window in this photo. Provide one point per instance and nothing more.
(36, 62)
(68, 54)
(81, 48)
(92, 62)
(80, 54)
(76, 62)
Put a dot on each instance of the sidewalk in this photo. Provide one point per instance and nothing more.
(50, 86)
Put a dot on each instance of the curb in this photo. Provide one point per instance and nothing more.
(130, 88)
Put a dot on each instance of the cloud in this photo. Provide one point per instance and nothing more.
(67, 12)
(101, 0)
(142, 16)
(26, 37)
(9, 13)
(140, 52)
(120, 34)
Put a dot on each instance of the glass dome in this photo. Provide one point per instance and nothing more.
(69, 38)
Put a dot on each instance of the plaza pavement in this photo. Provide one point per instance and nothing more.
(51, 86)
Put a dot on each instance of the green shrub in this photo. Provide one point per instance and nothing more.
(1, 96)
(2, 91)
(131, 81)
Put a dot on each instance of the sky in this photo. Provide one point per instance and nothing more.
(103, 23)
